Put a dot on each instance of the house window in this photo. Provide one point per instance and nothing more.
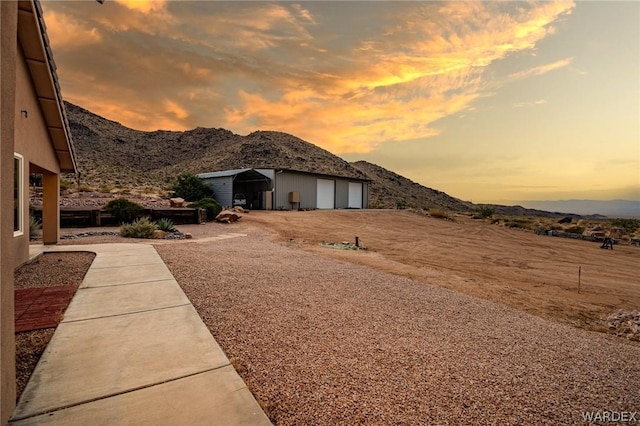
(18, 195)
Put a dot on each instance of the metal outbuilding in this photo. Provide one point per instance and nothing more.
(285, 189)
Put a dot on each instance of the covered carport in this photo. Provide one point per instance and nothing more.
(226, 184)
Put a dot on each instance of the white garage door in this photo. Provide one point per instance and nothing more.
(326, 191)
(355, 195)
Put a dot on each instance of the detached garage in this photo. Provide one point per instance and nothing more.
(286, 189)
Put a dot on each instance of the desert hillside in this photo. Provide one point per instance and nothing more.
(111, 155)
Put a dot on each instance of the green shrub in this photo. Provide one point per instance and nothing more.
(123, 210)
(165, 224)
(210, 205)
(139, 228)
(486, 211)
(575, 230)
(191, 187)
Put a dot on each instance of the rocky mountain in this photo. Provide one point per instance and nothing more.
(388, 188)
(110, 155)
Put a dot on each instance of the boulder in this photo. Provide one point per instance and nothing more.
(228, 216)
(188, 236)
(176, 202)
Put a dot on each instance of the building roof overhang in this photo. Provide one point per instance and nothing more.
(33, 39)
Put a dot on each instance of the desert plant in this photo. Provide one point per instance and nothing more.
(139, 228)
(439, 214)
(575, 230)
(629, 225)
(210, 205)
(123, 210)
(191, 187)
(64, 184)
(165, 224)
(34, 227)
(486, 211)
(104, 188)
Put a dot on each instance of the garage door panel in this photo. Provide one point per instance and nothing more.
(355, 195)
(326, 194)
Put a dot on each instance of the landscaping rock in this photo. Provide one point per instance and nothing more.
(176, 202)
(159, 234)
(625, 323)
(228, 216)
(188, 236)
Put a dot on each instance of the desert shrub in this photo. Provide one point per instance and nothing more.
(139, 228)
(439, 214)
(34, 227)
(629, 225)
(486, 211)
(123, 210)
(575, 230)
(165, 224)
(104, 188)
(191, 187)
(85, 188)
(210, 205)
(518, 223)
(65, 184)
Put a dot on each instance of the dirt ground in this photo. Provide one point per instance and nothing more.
(537, 274)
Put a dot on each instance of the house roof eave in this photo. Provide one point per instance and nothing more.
(33, 39)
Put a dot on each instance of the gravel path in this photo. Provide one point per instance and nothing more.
(325, 342)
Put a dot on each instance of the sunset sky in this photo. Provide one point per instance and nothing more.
(487, 101)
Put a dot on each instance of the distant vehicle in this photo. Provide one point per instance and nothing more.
(239, 200)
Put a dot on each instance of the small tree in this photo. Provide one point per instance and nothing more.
(191, 187)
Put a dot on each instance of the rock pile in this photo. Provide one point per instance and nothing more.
(228, 216)
(89, 234)
(625, 324)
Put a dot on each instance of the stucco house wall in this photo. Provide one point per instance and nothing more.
(8, 46)
(32, 141)
(34, 128)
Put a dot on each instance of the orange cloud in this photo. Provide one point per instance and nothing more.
(175, 109)
(398, 86)
(543, 69)
(68, 32)
(144, 6)
(281, 66)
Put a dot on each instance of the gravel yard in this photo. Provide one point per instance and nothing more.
(48, 270)
(322, 341)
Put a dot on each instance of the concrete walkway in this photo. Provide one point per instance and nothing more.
(131, 349)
